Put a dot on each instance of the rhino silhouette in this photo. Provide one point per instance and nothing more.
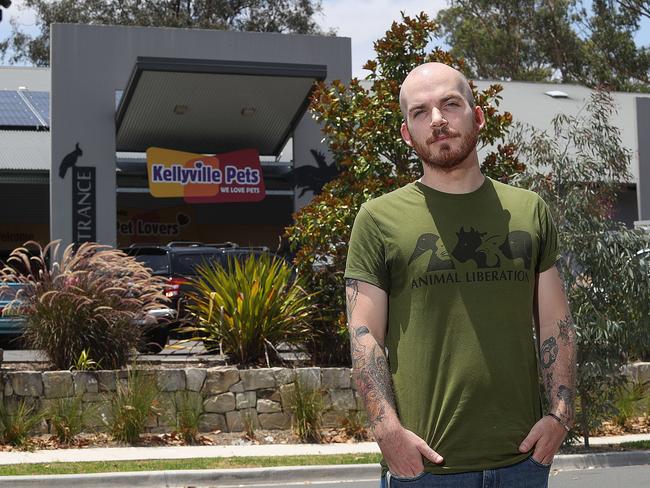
(429, 242)
(486, 253)
(69, 160)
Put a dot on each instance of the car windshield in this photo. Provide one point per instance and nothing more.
(187, 264)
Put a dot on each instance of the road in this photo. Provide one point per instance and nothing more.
(625, 477)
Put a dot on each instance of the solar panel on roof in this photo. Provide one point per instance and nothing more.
(14, 112)
(41, 102)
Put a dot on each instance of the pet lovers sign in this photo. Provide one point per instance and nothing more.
(229, 177)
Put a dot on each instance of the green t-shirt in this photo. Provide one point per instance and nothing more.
(459, 270)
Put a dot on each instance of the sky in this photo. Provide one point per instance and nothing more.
(364, 21)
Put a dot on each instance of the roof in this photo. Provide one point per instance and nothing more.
(17, 77)
(25, 150)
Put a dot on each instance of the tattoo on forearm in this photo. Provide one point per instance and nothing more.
(351, 294)
(548, 352)
(372, 375)
(565, 394)
(567, 331)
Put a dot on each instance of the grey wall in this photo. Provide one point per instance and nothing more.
(643, 136)
(88, 63)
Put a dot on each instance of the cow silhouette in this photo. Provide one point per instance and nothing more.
(518, 244)
(429, 242)
(69, 160)
(470, 247)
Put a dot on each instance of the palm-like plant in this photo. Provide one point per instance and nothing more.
(88, 300)
(246, 309)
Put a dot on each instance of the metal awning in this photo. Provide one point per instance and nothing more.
(209, 106)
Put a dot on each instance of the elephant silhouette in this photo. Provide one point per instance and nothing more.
(430, 242)
(69, 160)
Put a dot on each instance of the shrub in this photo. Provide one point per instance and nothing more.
(247, 309)
(189, 407)
(307, 412)
(579, 168)
(355, 426)
(629, 401)
(88, 301)
(16, 423)
(67, 417)
(132, 406)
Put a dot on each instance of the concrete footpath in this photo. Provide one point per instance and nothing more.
(282, 476)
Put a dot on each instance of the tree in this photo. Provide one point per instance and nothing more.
(294, 16)
(578, 168)
(362, 129)
(540, 40)
(638, 7)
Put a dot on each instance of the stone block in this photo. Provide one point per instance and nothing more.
(220, 403)
(284, 376)
(8, 389)
(85, 382)
(333, 418)
(342, 400)
(268, 406)
(359, 401)
(97, 415)
(274, 421)
(286, 395)
(106, 380)
(269, 394)
(58, 384)
(637, 372)
(242, 420)
(212, 422)
(194, 378)
(219, 380)
(246, 400)
(257, 379)
(91, 397)
(237, 387)
(27, 383)
(335, 378)
(170, 379)
(309, 378)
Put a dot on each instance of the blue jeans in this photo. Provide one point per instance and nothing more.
(526, 474)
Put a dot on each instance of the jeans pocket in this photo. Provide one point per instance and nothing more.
(538, 464)
(406, 479)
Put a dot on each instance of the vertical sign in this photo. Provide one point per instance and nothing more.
(84, 204)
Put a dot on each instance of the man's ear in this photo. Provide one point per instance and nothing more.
(406, 135)
(479, 117)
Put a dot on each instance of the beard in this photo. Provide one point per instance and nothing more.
(444, 157)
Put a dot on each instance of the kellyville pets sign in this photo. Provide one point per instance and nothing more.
(228, 177)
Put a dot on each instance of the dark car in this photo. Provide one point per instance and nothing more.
(179, 262)
(11, 322)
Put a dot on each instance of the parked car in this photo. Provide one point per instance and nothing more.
(179, 261)
(12, 322)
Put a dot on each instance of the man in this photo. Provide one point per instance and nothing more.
(443, 280)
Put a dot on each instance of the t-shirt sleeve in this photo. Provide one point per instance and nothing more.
(549, 251)
(366, 259)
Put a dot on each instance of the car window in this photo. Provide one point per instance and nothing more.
(159, 263)
(187, 264)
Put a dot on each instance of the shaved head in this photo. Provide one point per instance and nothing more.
(434, 73)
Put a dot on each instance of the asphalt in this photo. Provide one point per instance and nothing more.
(281, 476)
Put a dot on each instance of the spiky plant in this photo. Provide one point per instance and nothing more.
(247, 309)
(88, 300)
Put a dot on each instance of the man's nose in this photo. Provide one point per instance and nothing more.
(437, 120)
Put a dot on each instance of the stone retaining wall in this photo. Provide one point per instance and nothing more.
(230, 396)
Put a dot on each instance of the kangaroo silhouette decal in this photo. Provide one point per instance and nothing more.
(69, 160)
(439, 256)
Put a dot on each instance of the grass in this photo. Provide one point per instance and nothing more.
(636, 444)
(182, 464)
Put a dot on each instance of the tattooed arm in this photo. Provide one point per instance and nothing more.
(558, 365)
(367, 311)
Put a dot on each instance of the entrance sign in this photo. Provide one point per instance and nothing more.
(229, 177)
(84, 204)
